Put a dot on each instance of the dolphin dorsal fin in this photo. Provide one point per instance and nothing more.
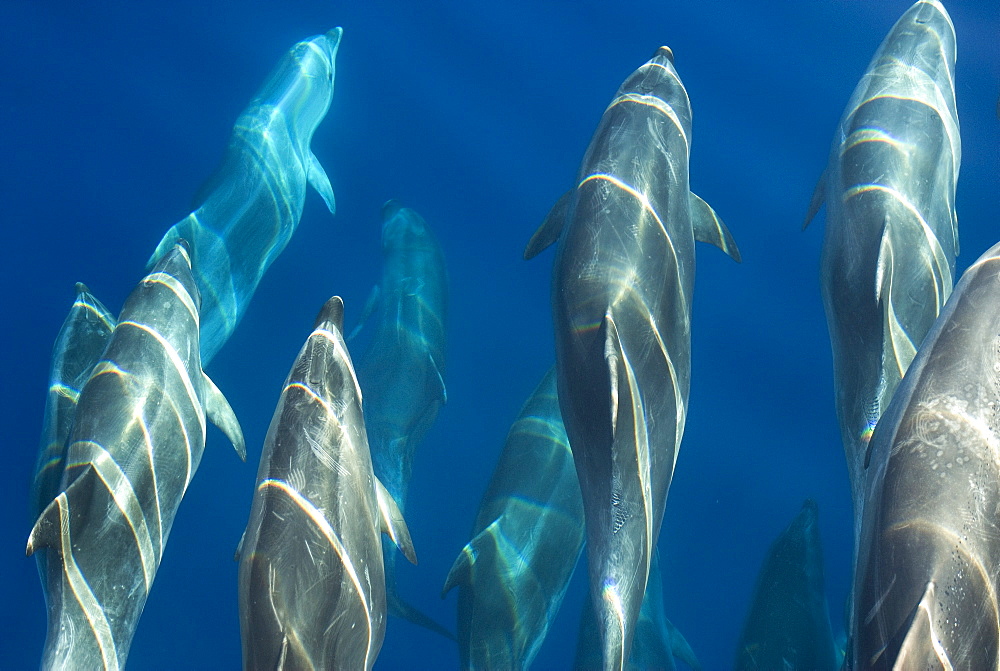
(898, 348)
(708, 227)
(393, 523)
(220, 413)
(551, 226)
(819, 195)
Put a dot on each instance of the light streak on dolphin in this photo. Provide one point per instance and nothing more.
(311, 581)
(246, 213)
(621, 298)
(527, 539)
(928, 571)
(891, 233)
(402, 371)
(137, 439)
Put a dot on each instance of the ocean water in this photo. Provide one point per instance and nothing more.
(476, 115)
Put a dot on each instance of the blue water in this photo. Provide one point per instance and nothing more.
(476, 115)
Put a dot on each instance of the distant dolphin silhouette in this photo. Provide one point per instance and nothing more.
(528, 536)
(621, 298)
(311, 581)
(891, 233)
(137, 440)
(247, 212)
(402, 371)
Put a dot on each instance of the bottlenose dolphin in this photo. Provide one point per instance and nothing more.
(788, 625)
(621, 298)
(248, 210)
(527, 539)
(928, 572)
(81, 341)
(311, 583)
(137, 440)
(891, 233)
(657, 641)
(402, 371)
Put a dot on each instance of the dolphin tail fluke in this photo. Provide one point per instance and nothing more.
(680, 648)
(221, 414)
(550, 229)
(819, 195)
(708, 227)
(319, 181)
(47, 532)
(400, 608)
(170, 238)
(393, 523)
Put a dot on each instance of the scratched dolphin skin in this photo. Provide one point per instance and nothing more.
(136, 442)
(891, 233)
(81, 341)
(788, 625)
(928, 572)
(527, 539)
(657, 640)
(246, 213)
(402, 371)
(621, 298)
(311, 582)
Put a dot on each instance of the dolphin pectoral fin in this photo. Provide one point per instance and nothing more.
(461, 571)
(221, 414)
(370, 305)
(170, 239)
(680, 648)
(440, 379)
(551, 227)
(399, 608)
(282, 655)
(912, 646)
(47, 532)
(393, 523)
(819, 195)
(239, 548)
(319, 181)
(708, 227)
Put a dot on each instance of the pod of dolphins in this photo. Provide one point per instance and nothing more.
(591, 457)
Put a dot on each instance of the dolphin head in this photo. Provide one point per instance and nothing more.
(403, 229)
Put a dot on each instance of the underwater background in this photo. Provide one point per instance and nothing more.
(476, 115)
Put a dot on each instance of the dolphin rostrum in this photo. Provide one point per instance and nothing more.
(311, 581)
(891, 233)
(788, 625)
(402, 371)
(528, 536)
(136, 442)
(246, 213)
(928, 573)
(621, 298)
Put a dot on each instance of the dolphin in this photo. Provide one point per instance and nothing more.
(621, 296)
(657, 640)
(891, 234)
(528, 537)
(246, 213)
(137, 440)
(311, 582)
(402, 371)
(928, 571)
(79, 345)
(788, 626)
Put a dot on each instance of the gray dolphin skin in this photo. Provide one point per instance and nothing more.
(527, 539)
(928, 572)
(891, 234)
(81, 341)
(621, 298)
(788, 625)
(657, 641)
(402, 371)
(136, 442)
(246, 213)
(311, 582)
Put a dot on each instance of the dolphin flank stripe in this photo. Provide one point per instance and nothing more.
(81, 590)
(323, 525)
(124, 496)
